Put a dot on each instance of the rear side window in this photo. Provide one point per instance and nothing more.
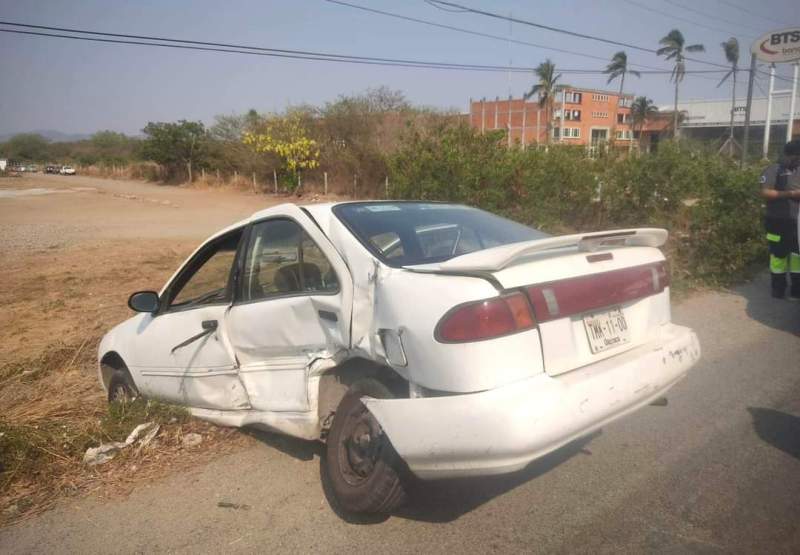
(408, 233)
(282, 259)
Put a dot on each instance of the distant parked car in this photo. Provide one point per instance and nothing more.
(52, 169)
(67, 170)
(33, 168)
(409, 336)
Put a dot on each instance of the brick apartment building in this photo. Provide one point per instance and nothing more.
(580, 117)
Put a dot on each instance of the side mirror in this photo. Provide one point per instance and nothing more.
(144, 301)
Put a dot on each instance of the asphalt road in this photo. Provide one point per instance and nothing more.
(717, 470)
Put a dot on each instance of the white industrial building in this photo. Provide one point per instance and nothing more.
(709, 120)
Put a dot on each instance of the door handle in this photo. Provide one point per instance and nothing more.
(328, 315)
(209, 326)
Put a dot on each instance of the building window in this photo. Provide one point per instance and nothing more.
(625, 102)
(572, 115)
(569, 132)
(600, 97)
(622, 118)
(573, 97)
(624, 135)
(600, 115)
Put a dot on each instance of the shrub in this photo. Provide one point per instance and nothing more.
(709, 205)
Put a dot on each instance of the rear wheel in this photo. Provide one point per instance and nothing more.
(361, 469)
(121, 388)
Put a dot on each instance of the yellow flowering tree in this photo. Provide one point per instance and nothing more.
(287, 138)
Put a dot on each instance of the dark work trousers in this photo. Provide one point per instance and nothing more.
(784, 255)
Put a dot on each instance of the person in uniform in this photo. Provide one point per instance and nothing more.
(780, 186)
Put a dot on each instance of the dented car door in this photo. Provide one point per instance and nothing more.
(180, 353)
(292, 309)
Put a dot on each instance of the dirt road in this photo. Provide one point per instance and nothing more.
(718, 470)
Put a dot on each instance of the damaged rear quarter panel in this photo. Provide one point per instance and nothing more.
(414, 303)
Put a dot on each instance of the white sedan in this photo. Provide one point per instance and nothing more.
(413, 338)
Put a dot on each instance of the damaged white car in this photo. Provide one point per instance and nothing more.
(409, 336)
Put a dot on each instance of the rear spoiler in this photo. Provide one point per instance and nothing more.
(497, 258)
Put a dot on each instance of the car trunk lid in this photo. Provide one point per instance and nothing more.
(593, 295)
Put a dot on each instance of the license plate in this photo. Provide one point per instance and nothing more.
(606, 330)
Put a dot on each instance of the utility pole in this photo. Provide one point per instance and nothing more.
(792, 104)
(524, 121)
(483, 115)
(508, 120)
(767, 124)
(746, 139)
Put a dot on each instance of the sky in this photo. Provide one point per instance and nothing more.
(81, 87)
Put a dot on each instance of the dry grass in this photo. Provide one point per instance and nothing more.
(57, 304)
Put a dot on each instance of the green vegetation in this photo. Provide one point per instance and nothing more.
(706, 202)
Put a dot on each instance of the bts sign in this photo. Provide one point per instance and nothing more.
(778, 46)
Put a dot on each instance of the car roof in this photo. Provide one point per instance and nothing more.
(321, 212)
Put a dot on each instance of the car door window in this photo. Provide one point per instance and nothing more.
(282, 259)
(207, 279)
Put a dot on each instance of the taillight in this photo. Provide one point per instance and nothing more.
(486, 319)
(560, 299)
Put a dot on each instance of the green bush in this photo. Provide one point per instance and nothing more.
(707, 203)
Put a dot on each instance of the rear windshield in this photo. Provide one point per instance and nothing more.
(406, 233)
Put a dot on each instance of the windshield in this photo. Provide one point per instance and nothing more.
(407, 233)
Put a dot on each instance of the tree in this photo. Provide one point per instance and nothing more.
(287, 138)
(619, 68)
(641, 110)
(227, 151)
(175, 144)
(106, 146)
(673, 48)
(546, 90)
(27, 147)
(731, 49)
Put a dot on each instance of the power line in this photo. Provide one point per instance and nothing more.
(712, 17)
(186, 44)
(679, 18)
(470, 31)
(321, 57)
(442, 8)
(261, 51)
(564, 31)
(486, 35)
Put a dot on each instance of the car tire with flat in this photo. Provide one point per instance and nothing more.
(121, 388)
(360, 468)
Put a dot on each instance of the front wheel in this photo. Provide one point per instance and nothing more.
(361, 468)
(121, 388)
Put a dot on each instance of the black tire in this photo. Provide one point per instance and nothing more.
(121, 388)
(360, 469)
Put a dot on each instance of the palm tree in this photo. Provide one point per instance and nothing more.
(731, 49)
(673, 48)
(546, 90)
(619, 68)
(641, 110)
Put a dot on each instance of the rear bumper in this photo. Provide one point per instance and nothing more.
(503, 429)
